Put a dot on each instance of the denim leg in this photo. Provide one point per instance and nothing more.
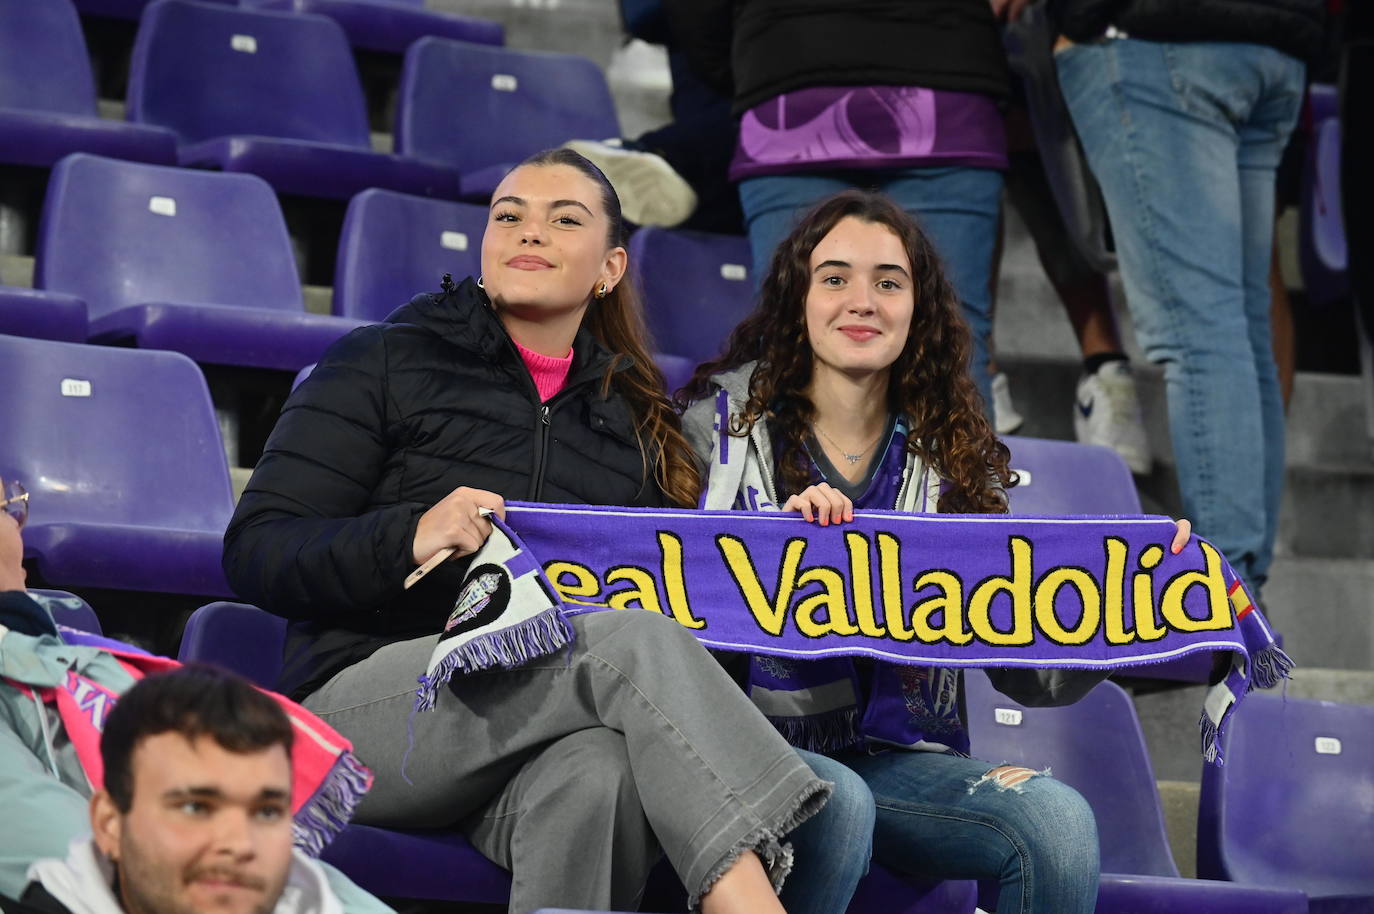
(1162, 125)
(832, 848)
(957, 207)
(943, 817)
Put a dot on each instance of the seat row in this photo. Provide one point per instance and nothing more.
(277, 94)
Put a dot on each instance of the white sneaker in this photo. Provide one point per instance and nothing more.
(1005, 418)
(650, 191)
(1107, 412)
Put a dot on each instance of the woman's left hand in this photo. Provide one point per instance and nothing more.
(1181, 536)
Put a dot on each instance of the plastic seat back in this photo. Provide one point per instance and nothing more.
(476, 106)
(696, 288)
(235, 636)
(43, 62)
(1293, 805)
(1065, 477)
(119, 234)
(204, 70)
(396, 245)
(101, 435)
(1095, 746)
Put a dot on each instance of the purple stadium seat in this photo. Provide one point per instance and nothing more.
(122, 454)
(120, 9)
(72, 611)
(1065, 477)
(47, 93)
(170, 258)
(230, 83)
(43, 315)
(483, 109)
(1294, 803)
(1096, 747)
(391, 25)
(394, 246)
(696, 288)
(677, 370)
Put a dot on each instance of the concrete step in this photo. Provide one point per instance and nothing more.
(1179, 800)
(1324, 609)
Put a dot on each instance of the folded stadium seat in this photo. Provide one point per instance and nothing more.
(1294, 803)
(391, 25)
(43, 315)
(121, 451)
(482, 109)
(442, 865)
(70, 610)
(696, 288)
(170, 258)
(232, 85)
(47, 93)
(121, 9)
(394, 246)
(1322, 249)
(1065, 477)
(1096, 747)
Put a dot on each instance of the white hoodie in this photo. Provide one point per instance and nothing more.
(84, 883)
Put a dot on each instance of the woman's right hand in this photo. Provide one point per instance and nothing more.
(456, 522)
(822, 502)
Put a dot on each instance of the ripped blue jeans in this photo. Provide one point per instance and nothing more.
(946, 817)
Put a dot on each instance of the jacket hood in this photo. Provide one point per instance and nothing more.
(84, 883)
(735, 381)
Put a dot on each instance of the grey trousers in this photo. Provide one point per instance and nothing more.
(574, 770)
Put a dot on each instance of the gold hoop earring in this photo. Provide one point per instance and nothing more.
(602, 292)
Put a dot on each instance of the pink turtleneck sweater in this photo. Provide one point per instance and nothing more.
(549, 373)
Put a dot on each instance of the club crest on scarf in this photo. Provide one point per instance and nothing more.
(485, 595)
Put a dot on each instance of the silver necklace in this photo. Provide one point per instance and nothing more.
(852, 458)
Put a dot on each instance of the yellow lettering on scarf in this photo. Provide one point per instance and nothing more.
(771, 617)
(674, 584)
(642, 595)
(1018, 587)
(890, 570)
(1142, 596)
(949, 602)
(1171, 604)
(1114, 612)
(861, 583)
(1047, 589)
(585, 583)
(831, 599)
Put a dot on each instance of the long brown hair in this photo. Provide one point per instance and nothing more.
(929, 382)
(617, 322)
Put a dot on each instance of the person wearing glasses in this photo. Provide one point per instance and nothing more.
(44, 792)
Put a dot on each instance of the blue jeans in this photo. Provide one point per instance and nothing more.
(937, 817)
(957, 207)
(1185, 140)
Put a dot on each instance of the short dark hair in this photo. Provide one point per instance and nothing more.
(194, 700)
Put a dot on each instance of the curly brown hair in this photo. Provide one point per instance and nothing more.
(617, 322)
(929, 382)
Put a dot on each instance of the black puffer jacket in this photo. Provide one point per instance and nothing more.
(394, 418)
(1292, 26)
(755, 50)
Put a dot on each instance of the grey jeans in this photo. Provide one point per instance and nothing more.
(573, 770)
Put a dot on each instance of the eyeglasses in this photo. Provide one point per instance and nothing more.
(15, 501)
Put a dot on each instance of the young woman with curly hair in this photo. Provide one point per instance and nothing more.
(848, 387)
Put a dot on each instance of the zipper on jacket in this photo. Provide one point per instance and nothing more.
(542, 425)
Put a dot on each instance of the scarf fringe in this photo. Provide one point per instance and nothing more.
(1211, 740)
(1269, 666)
(775, 854)
(506, 648)
(326, 813)
(829, 731)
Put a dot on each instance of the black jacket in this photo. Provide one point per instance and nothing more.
(755, 50)
(1292, 26)
(395, 417)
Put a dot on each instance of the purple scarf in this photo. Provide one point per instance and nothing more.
(908, 589)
